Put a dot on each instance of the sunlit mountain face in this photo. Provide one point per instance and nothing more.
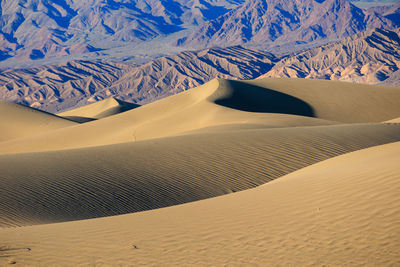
(274, 23)
(37, 29)
(59, 54)
(44, 30)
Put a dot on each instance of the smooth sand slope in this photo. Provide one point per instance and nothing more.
(87, 183)
(339, 101)
(98, 110)
(340, 212)
(18, 121)
(267, 102)
(396, 120)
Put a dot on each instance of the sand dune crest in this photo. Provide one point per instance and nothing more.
(17, 121)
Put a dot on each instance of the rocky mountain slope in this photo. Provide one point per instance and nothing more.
(59, 87)
(35, 32)
(35, 29)
(369, 57)
(272, 23)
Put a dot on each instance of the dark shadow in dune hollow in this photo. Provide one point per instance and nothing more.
(252, 98)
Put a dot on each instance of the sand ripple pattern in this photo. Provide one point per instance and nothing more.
(102, 181)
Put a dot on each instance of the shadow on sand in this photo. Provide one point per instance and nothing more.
(252, 98)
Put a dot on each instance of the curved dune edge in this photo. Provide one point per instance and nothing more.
(340, 212)
(37, 188)
(396, 120)
(225, 102)
(187, 111)
(100, 109)
(18, 121)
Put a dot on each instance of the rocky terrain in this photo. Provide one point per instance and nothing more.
(369, 57)
(57, 87)
(37, 32)
(36, 29)
(283, 24)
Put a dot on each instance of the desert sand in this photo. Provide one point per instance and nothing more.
(270, 172)
(98, 110)
(17, 121)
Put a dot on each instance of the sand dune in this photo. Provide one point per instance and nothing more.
(340, 101)
(98, 110)
(18, 121)
(86, 183)
(340, 212)
(190, 110)
(223, 102)
(396, 120)
(203, 146)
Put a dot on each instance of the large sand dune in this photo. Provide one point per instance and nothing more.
(108, 180)
(18, 121)
(340, 212)
(203, 146)
(269, 102)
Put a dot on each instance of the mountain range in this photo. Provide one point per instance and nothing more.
(369, 57)
(272, 23)
(35, 29)
(40, 31)
(56, 87)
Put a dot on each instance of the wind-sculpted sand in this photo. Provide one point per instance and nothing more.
(200, 148)
(17, 121)
(98, 110)
(268, 102)
(130, 177)
(341, 212)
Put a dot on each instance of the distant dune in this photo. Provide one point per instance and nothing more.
(98, 110)
(18, 121)
(203, 146)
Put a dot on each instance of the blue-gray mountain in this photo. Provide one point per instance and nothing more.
(34, 29)
(57, 87)
(369, 57)
(285, 24)
(47, 29)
